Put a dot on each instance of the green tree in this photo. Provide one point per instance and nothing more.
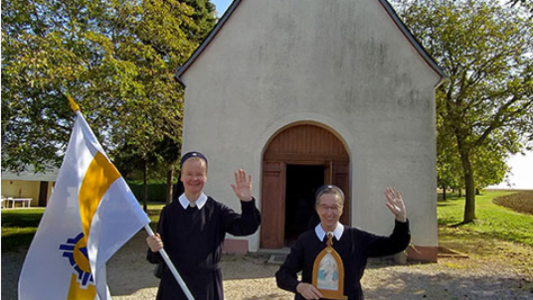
(448, 164)
(169, 150)
(489, 165)
(204, 18)
(155, 34)
(488, 104)
(116, 58)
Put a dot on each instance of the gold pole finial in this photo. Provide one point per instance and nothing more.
(75, 107)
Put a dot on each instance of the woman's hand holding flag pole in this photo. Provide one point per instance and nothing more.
(169, 263)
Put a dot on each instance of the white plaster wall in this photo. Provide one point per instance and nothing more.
(341, 63)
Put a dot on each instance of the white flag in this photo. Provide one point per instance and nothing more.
(90, 215)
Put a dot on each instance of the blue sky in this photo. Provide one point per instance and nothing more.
(522, 166)
(221, 5)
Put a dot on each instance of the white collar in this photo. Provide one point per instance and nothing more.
(320, 233)
(184, 201)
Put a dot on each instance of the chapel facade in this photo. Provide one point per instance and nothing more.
(302, 93)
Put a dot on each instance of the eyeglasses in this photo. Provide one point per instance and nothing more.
(333, 208)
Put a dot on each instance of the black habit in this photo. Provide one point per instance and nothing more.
(354, 247)
(193, 240)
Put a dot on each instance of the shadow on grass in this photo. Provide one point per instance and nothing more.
(21, 218)
(448, 221)
(18, 228)
(459, 224)
(17, 242)
(449, 197)
(445, 204)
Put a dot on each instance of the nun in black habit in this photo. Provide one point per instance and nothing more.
(354, 246)
(192, 230)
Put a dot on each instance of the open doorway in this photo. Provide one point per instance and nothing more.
(302, 183)
(299, 158)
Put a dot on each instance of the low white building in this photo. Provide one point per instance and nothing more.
(305, 92)
(28, 185)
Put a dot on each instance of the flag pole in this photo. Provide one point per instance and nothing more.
(171, 266)
(148, 229)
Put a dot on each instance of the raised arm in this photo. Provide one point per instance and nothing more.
(250, 219)
(400, 237)
(395, 204)
(243, 185)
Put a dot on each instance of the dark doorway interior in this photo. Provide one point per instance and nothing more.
(43, 192)
(300, 215)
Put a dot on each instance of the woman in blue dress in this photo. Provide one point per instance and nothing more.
(192, 230)
(354, 246)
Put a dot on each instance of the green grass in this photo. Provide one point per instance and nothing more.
(154, 210)
(19, 225)
(492, 221)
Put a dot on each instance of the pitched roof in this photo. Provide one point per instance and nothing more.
(384, 3)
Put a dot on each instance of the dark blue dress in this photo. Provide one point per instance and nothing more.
(354, 248)
(193, 240)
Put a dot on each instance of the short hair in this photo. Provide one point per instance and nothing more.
(329, 189)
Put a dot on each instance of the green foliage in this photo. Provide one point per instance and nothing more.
(492, 221)
(156, 191)
(489, 165)
(449, 174)
(117, 59)
(203, 17)
(485, 111)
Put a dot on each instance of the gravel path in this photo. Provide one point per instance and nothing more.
(250, 277)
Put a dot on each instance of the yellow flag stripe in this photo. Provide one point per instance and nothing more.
(99, 177)
(78, 293)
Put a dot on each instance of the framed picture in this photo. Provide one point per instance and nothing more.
(328, 273)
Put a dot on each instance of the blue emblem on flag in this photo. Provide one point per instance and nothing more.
(76, 251)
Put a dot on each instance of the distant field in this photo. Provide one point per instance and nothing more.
(520, 202)
(492, 220)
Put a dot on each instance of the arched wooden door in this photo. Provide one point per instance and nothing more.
(300, 144)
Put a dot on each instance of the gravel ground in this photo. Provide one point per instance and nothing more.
(251, 277)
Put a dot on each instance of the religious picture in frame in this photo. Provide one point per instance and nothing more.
(328, 273)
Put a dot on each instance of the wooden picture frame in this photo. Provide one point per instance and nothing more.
(328, 273)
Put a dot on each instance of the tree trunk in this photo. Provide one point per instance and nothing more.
(444, 193)
(170, 181)
(145, 187)
(470, 199)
